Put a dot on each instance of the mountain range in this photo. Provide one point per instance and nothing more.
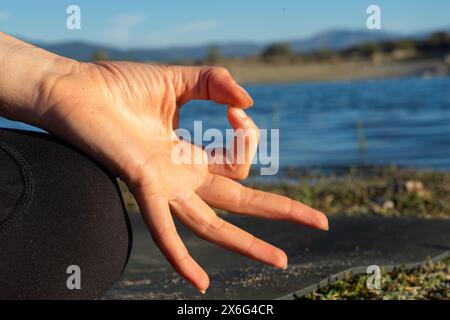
(333, 40)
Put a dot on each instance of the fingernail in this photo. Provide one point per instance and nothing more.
(202, 291)
(284, 268)
(247, 94)
(241, 113)
(325, 225)
(322, 220)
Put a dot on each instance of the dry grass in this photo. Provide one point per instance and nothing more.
(431, 281)
(385, 191)
(258, 72)
(379, 191)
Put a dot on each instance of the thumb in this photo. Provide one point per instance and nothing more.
(209, 83)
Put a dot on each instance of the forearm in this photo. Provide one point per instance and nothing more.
(23, 69)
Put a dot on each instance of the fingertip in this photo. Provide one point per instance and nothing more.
(200, 279)
(239, 118)
(281, 260)
(324, 224)
(244, 100)
(211, 83)
(224, 89)
(190, 270)
(308, 216)
(320, 219)
(234, 112)
(203, 283)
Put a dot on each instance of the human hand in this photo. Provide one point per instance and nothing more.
(124, 115)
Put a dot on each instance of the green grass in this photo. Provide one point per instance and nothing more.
(431, 281)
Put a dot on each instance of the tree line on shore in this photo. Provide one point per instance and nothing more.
(436, 45)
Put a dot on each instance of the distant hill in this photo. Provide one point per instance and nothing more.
(83, 51)
(333, 40)
(340, 39)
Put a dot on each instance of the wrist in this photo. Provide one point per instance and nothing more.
(25, 72)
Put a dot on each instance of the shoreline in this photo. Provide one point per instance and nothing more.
(265, 73)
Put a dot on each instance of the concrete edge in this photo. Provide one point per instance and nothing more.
(355, 271)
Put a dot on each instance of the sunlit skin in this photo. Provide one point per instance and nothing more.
(124, 114)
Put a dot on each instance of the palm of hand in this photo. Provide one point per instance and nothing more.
(124, 114)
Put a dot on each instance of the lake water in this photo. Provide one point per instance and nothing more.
(396, 121)
(403, 121)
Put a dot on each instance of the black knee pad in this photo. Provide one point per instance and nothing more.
(64, 231)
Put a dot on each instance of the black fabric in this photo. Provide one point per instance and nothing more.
(57, 208)
(12, 187)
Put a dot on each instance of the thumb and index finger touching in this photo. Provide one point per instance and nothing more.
(217, 84)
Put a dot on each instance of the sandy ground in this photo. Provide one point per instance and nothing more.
(341, 71)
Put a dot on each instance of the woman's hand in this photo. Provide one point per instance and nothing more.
(124, 115)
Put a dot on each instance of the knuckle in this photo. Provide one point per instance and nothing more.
(138, 173)
(183, 199)
(240, 172)
(251, 242)
(289, 209)
(217, 72)
(244, 197)
(221, 71)
(213, 225)
(162, 232)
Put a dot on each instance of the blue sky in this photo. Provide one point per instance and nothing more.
(134, 23)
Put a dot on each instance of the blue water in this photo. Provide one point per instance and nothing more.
(404, 121)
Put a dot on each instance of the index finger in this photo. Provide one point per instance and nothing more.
(236, 163)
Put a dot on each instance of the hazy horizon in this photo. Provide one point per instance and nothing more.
(176, 24)
(212, 42)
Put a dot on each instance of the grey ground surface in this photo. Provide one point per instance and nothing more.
(313, 256)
